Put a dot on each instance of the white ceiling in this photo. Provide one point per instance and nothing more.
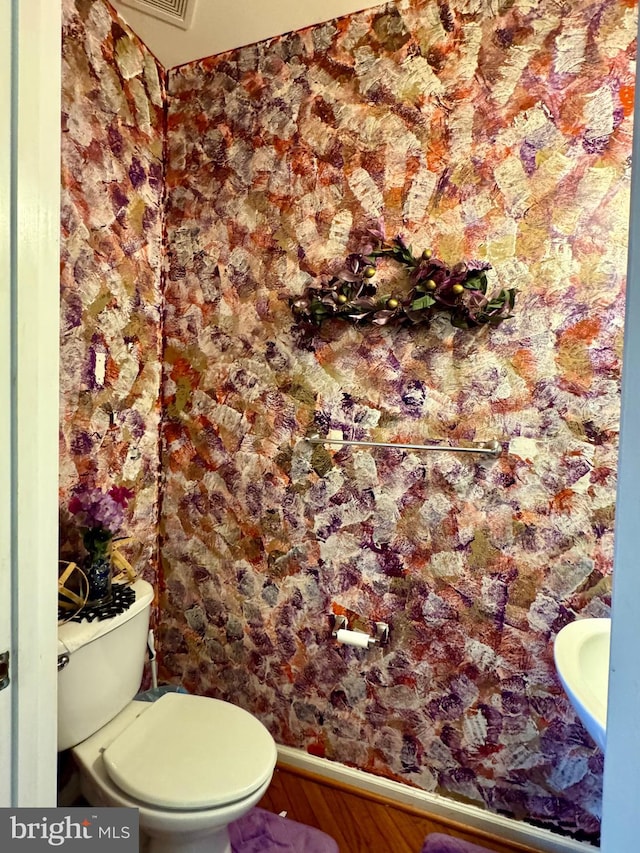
(220, 25)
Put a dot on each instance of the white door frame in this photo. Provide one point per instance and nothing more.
(5, 394)
(621, 801)
(29, 301)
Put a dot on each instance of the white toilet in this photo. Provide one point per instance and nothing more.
(191, 765)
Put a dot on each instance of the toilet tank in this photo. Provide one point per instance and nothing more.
(106, 660)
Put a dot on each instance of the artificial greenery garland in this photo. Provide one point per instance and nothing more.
(351, 295)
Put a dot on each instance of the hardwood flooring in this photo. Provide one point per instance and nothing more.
(361, 822)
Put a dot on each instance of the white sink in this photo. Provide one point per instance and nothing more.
(581, 653)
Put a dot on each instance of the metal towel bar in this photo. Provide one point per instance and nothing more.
(484, 448)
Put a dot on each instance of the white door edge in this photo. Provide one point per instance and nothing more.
(35, 332)
(5, 394)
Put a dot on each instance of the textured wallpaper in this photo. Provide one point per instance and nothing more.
(487, 132)
(498, 132)
(113, 183)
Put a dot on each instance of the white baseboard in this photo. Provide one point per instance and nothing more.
(434, 804)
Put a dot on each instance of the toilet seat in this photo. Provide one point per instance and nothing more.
(191, 752)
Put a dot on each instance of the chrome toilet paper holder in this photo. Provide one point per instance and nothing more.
(380, 636)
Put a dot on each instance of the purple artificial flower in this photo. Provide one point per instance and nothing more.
(478, 266)
(354, 266)
(98, 510)
(378, 232)
(432, 269)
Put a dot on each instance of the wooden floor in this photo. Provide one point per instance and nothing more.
(363, 822)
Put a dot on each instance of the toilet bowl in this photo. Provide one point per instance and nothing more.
(191, 765)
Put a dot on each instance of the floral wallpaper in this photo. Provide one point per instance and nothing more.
(112, 194)
(500, 133)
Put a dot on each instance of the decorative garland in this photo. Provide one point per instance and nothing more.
(351, 295)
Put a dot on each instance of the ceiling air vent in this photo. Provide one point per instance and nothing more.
(176, 12)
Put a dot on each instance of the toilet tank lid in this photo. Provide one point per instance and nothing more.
(75, 635)
(191, 752)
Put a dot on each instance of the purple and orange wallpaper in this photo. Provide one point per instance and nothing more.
(496, 133)
(112, 191)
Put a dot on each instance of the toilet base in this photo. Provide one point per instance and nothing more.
(211, 842)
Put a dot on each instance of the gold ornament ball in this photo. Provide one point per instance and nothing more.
(430, 284)
(392, 303)
(457, 289)
(426, 254)
(369, 272)
(342, 298)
